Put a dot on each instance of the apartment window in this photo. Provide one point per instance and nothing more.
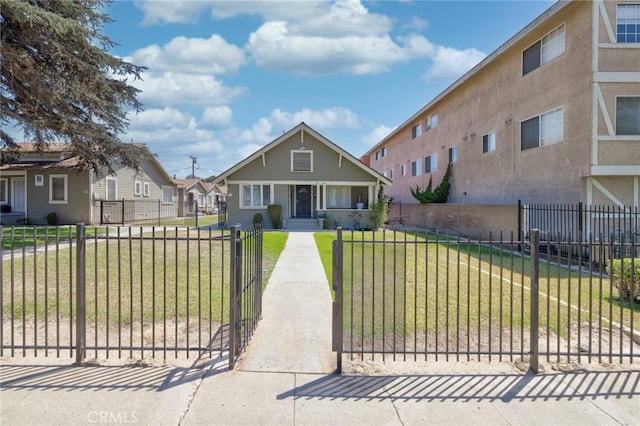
(628, 115)
(112, 191)
(384, 174)
(489, 142)
(137, 188)
(301, 161)
(58, 189)
(453, 154)
(416, 131)
(403, 170)
(391, 174)
(384, 151)
(256, 195)
(167, 194)
(416, 168)
(432, 121)
(377, 155)
(431, 163)
(145, 190)
(545, 129)
(628, 23)
(4, 191)
(544, 50)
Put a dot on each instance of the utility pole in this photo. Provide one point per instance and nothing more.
(193, 165)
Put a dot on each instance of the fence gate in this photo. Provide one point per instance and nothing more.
(111, 212)
(426, 296)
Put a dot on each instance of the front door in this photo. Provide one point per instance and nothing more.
(18, 194)
(303, 200)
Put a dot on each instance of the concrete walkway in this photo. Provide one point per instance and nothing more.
(285, 378)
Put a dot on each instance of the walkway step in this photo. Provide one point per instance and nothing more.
(294, 334)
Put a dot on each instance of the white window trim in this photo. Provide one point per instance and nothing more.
(305, 151)
(615, 34)
(106, 188)
(240, 195)
(145, 189)
(137, 188)
(5, 182)
(489, 150)
(66, 189)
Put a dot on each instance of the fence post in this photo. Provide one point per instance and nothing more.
(580, 212)
(123, 211)
(196, 203)
(535, 275)
(338, 308)
(81, 300)
(235, 299)
(519, 218)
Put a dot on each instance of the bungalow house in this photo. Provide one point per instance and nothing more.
(310, 177)
(47, 183)
(190, 192)
(216, 195)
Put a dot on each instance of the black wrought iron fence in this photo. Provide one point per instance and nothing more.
(129, 292)
(426, 296)
(148, 212)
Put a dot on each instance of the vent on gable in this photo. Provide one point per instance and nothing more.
(301, 161)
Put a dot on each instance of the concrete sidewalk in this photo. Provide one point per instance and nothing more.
(286, 378)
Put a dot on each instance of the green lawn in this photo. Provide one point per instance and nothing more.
(132, 279)
(18, 237)
(410, 288)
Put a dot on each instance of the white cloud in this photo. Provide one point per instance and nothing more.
(156, 118)
(449, 63)
(274, 48)
(220, 116)
(170, 89)
(376, 135)
(329, 118)
(416, 23)
(182, 12)
(191, 55)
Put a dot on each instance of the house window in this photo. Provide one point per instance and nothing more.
(167, 194)
(545, 129)
(338, 197)
(137, 188)
(145, 191)
(544, 50)
(416, 131)
(431, 163)
(301, 161)
(112, 189)
(4, 191)
(432, 121)
(453, 154)
(489, 142)
(384, 151)
(403, 170)
(256, 195)
(628, 23)
(628, 115)
(416, 168)
(58, 189)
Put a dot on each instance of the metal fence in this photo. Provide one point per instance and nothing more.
(419, 296)
(605, 222)
(131, 292)
(148, 212)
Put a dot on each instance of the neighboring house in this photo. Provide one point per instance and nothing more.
(306, 174)
(216, 195)
(551, 116)
(40, 183)
(191, 193)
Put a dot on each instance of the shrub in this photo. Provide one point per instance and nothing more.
(379, 214)
(622, 271)
(275, 213)
(438, 195)
(257, 219)
(52, 219)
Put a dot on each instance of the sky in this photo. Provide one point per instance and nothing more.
(225, 78)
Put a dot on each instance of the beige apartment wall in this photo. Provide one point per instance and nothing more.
(496, 99)
(476, 221)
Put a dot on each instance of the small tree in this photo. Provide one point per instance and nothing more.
(438, 195)
(275, 212)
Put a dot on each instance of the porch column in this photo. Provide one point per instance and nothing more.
(324, 196)
(318, 196)
(371, 195)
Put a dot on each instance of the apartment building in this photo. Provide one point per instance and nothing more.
(551, 116)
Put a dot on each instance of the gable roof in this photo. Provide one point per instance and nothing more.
(302, 127)
(188, 184)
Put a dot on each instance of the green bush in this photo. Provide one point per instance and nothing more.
(257, 219)
(625, 275)
(275, 214)
(379, 214)
(52, 219)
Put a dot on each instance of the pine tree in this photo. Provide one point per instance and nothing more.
(59, 83)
